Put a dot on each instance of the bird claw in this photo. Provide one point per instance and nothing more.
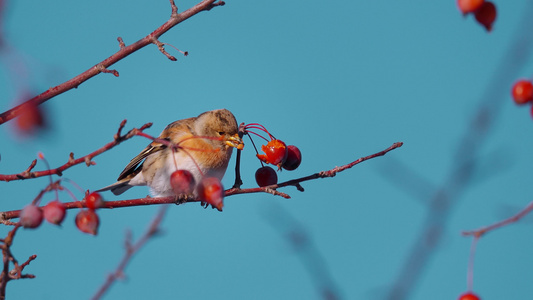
(183, 198)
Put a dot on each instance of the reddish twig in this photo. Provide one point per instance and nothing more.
(272, 189)
(131, 249)
(465, 162)
(87, 159)
(470, 271)
(16, 272)
(124, 51)
(481, 231)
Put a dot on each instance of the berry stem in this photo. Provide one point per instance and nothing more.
(470, 272)
(259, 127)
(255, 148)
(257, 134)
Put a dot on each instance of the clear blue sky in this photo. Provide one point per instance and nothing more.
(340, 79)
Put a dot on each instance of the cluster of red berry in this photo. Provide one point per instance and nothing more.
(484, 11)
(54, 212)
(32, 215)
(276, 153)
(87, 220)
(522, 92)
(209, 189)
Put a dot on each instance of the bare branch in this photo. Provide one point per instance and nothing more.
(131, 249)
(16, 273)
(121, 43)
(481, 231)
(124, 51)
(272, 189)
(162, 49)
(87, 159)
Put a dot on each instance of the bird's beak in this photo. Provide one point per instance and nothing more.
(235, 142)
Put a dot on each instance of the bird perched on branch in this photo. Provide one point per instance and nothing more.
(201, 145)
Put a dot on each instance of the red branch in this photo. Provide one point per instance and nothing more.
(87, 159)
(272, 189)
(481, 231)
(124, 51)
(6, 275)
(131, 249)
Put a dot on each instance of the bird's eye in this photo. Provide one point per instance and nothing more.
(221, 132)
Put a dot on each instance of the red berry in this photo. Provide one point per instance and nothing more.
(275, 152)
(54, 212)
(469, 296)
(294, 158)
(94, 201)
(210, 190)
(30, 119)
(87, 221)
(486, 15)
(265, 176)
(468, 6)
(522, 91)
(182, 182)
(31, 216)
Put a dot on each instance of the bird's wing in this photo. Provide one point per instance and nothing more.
(135, 165)
(176, 130)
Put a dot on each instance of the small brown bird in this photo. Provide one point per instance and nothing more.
(205, 146)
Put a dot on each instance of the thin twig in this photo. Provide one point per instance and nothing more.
(16, 273)
(131, 249)
(87, 159)
(481, 231)
(124, 51)
(465, 162)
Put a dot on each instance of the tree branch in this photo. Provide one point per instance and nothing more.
(16, 273)
(131, 249)
(124, 51)
(481, 231)
(272, 189)
(87, 159)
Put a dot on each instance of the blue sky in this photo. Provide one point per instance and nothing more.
(339, 79)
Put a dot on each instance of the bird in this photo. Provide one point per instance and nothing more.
(205, 144)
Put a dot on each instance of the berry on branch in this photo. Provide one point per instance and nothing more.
(94, 201)
(211, 191)
(87, 221)
(31, 216)
(486, 15)
(54, 212)
(522, 91)
(265, 176)
(30, 119)
(294, 158)
(469, 6)
(469, 296)
(182, 182)
(275, 153)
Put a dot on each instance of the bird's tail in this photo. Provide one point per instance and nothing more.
(117, 188)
